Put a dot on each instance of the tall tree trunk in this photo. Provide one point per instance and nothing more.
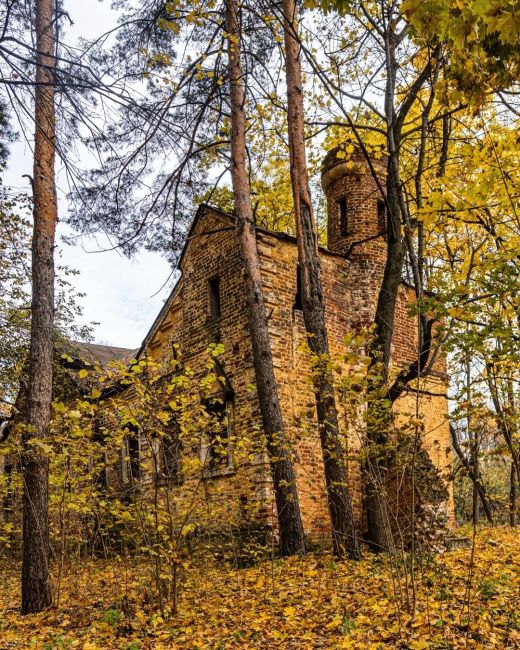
(36, 588)
(344, 535)
(475, 478)
(475, 510)
(379, 411)
(513, 495)
(474, 449)
(507, 427)
(283, 474)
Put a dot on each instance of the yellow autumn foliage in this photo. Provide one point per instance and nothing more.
(462, 600)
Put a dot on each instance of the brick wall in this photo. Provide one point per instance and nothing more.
(351, 287)
(293, 369)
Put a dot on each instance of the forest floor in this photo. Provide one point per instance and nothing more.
(463, 599)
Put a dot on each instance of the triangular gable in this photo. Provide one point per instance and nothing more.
(198, 227)
(196, 230)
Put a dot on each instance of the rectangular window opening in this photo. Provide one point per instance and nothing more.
(298, 297)
(131, 455)
(381, 215)
(170, 454)
(343, 215)
(214, 298)
(101, 475)
(134, 453)
(216, 451)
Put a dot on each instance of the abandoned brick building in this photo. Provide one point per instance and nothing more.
(208, 304)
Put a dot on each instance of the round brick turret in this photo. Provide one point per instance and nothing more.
(355, 207)
(357, 225)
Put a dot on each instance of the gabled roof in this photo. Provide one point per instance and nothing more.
(202, 211)
(95, 353)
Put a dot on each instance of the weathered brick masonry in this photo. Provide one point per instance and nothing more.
(352, 269)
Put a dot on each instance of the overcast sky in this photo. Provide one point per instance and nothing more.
(123, 295)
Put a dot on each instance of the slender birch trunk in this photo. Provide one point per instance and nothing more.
(36, 587)
(344, 535)
(283, 474)
(513, 495)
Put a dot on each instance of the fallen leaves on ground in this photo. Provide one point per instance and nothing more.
(312, 602)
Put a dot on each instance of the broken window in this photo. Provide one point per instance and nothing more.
(216, 457)
(131, 462)
(167, 454)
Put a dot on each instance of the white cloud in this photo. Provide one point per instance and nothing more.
(119, 292)
(124, 295)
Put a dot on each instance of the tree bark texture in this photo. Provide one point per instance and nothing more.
(282, 469)
(36, 587)
(379, 411)
(344, 535)
(513, 495)
(380, 397)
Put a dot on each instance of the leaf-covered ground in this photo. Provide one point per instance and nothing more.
(297, 603)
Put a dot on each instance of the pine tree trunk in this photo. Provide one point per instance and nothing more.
(36, 588)
(283, 474)
(344, 535)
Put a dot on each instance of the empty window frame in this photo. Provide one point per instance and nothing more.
(298, 297)
(216, 457)
(343, 216)
(98, 461)
(381, 215)
(167, 455)
(131, 462)
(214, 306)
